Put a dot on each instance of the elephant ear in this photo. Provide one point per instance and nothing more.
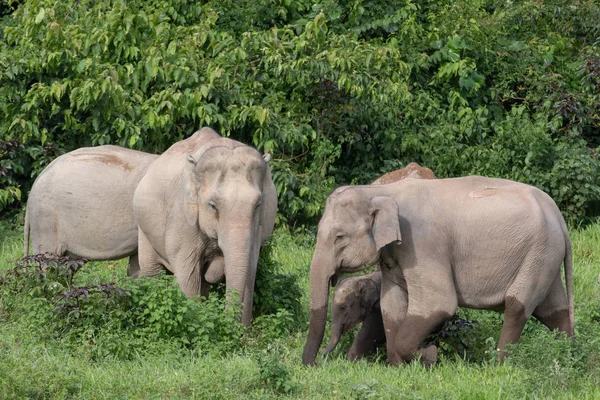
(369, 293)
(386, 226)
(190, 191)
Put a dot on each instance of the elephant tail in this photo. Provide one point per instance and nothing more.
(569, 281)
(26, 235)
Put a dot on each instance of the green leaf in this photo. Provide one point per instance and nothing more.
(40, 15)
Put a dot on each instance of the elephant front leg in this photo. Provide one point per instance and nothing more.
(149, 262)
(428, 308)
(370, 335)
(393, 304)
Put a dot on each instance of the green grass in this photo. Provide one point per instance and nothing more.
(542, 366)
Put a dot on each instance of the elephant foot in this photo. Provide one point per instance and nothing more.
(429, 355)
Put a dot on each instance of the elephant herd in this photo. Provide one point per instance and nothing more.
(203, 208)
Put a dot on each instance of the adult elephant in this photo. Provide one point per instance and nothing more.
(473, 242)
(356, 299)
(81, 204)
(203, 209)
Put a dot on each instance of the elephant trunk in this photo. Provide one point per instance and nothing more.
(237, 250)
(336, 333)
(320, 275)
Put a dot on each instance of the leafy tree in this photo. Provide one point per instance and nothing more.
(339, 91)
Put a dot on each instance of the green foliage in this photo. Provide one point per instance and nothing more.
(112, 321)
(451, 339)
(274, 375)
(277, 292)
(34, 363)
(340, 92)
(555, 360)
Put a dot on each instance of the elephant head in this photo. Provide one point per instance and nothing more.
(353, 300)
(230, 197)
(354, 228)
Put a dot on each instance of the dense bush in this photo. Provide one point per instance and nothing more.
(137, 315)
(338, 91)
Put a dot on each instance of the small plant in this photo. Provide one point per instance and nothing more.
(277, 291)
(365, 391)
(42, 275)
(451, 338)
(273, 374)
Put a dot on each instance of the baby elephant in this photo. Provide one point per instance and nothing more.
(356, 300)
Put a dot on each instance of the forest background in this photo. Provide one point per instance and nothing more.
(339, 92)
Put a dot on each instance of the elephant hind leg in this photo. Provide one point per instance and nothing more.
(515, 318)
(133, 268)
(149, 263)
(554, 310)
(529, 289)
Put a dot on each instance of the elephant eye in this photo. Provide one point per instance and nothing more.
(339, 237)
(213, 205)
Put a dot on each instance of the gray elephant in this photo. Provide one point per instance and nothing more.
(204, 208)
(473, 242)
(356, 300)
(81, 204)
(412, 170)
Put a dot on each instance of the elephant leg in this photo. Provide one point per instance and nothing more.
(370, 335)
(204, 288)
(431, 301)
(133, 268)
(554, 310)
(190, 281)
(393, 304)
(149, 263)
(515, 318)
(529, 289)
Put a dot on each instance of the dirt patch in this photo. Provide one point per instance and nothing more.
(110, 159)
(483, 193)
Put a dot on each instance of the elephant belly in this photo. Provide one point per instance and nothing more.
(483, 287)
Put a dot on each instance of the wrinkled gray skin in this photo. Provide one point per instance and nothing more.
(473, 242)
(356, 300)
(203, 209)
(81, 204)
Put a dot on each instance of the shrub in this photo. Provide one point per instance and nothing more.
(277, 292)
(112, 321)
(338, 92)
(274, 376)
(139, 315)
(451, 339)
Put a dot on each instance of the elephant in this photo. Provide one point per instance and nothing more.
(412, 170)
(81, 204)
(203, 210)
(356, 300)
(474, 242)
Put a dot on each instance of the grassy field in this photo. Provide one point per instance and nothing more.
(34, 364)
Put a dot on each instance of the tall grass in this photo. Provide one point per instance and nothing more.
(542, 365)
